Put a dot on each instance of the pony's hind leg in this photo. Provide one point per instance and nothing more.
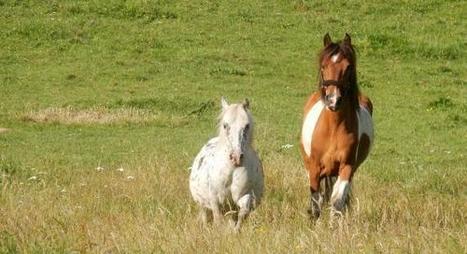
(216, 213)
(205, 215)
(326, 187)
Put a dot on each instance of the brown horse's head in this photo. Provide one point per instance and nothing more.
(337, 75)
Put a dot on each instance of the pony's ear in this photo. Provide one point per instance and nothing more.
(327, 40)
(224, 103)
(246, 103)
(347, 39)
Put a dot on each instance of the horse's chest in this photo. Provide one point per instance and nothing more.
(333, 145)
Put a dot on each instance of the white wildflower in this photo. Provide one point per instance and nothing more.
(130, 177)
(32, 178)
(120, 169)
(287, 146)
(99, 168)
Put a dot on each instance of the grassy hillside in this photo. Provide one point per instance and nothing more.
(104, 104)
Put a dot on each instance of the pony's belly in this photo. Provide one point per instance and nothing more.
(365, 134)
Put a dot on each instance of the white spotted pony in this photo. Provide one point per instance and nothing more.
(227, 175)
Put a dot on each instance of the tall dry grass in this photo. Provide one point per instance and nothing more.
(147, 208)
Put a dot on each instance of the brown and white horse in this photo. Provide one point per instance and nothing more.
(337, 129)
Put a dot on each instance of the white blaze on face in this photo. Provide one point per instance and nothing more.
(333, 94)
(309, 125)
(335, 57)
(236, 118)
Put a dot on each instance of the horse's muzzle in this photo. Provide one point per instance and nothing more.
(237, 159)
(333, 103)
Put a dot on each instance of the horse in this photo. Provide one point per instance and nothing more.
(227, 174)
(337, 131)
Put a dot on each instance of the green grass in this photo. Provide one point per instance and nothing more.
(157, 69)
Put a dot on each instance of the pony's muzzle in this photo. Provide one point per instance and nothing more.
(236, 158)
(333, 101)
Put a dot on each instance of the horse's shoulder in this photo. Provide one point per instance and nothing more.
(314, 97)
(366, 102)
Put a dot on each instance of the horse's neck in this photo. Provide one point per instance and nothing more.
(347, 113)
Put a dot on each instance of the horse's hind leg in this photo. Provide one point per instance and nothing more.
(205, 215)
(216, 213)
(326, 187)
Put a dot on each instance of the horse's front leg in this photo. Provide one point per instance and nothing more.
(341, 189)
(245, 204)
(316, 199)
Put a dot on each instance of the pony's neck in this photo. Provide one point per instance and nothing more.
(346, 112)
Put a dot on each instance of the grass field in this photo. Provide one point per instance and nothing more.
(104, 104)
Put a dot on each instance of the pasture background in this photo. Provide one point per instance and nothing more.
(106, 103)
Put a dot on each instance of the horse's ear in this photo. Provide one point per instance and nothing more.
(327, 40)
(246, 103)
(224, 103)
(347, 39)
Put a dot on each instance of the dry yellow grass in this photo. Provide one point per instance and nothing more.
(148, 209)
(100, 115)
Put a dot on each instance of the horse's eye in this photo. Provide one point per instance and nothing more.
(247, 127)
(226, 126)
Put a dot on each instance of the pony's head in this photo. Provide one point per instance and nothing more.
(337, 74)
(236, 129)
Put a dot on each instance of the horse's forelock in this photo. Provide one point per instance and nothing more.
(235, 109)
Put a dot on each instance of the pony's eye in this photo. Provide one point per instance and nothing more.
(247, 127)
(226, 126)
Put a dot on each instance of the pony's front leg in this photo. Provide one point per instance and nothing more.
(316, 199)
(341, 190)
(245, 204)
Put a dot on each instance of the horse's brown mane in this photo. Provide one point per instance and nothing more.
(348, 51)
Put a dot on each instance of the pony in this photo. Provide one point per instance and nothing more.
(337, 131)
(227, 174)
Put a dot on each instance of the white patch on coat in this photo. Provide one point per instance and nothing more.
(365, 126)
(309, 125)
